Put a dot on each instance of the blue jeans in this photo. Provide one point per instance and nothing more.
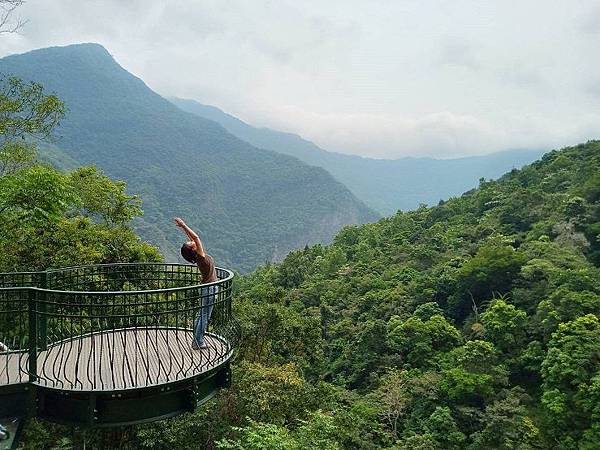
(208, 298)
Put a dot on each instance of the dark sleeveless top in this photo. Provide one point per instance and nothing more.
(206, 264)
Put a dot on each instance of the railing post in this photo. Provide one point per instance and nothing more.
(41, 307)
(33, 333)
(230, 300)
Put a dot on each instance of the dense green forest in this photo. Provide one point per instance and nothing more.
(250, 205)
(386, 185)
(472, 324)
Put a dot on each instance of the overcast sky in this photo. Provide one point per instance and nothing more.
(376, 78)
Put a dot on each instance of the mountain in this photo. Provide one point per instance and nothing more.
(384, 185)
(250, 205)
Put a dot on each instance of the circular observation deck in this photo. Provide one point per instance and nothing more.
(113, 344)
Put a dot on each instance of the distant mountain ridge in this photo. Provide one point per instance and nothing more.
(384, 185)
(250, 205)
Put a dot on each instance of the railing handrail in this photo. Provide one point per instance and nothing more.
(85, 266)
(229, 276)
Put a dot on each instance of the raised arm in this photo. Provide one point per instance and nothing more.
(192, 236)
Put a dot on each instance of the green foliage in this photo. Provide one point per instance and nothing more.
(442, 427)
(273, 394)
(404, 397)
(35, 196)
(472, 374)
(491, 271)
(259, 436)
(46, 221)
(14, 156)
(25, 109)
(573, 353)
(419, 342)
(427, 310)
(570, 373)
(318, 432)
(103, 197)
(564, 305)
(506, 425)
(504, 326)
(472, 324)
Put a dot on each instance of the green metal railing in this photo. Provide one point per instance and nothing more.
(113, 327)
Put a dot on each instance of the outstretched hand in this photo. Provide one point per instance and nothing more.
(191, 234)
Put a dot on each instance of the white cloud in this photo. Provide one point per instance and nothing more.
(379, 78)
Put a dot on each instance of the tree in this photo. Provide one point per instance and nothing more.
(104, 198)
(570, 367)
(504, 326)
(395, 399)
(35, 196)
(26, 111)
(7, 23)
(472, 374)
(442, 427)
(277, 395)
(15, 156)
(573, 354)
(506, 425)
(564, 305)
(272, 332)
(318, 432)
(491, 271)
(427, 310)
(591, 405)
(258, 436)
(401, 392)
(418, 341)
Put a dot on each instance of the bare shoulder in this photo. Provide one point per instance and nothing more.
(205, 258)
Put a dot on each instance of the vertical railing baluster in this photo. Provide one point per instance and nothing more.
(33, 333)
(43, 319)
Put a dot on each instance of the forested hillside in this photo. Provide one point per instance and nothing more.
(250, 205)
(474, 324)
(383, 184)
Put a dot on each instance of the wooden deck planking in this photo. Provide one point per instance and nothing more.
(116, 360)
(9, 368)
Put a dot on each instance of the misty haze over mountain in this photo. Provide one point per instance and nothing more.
(384, 185)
